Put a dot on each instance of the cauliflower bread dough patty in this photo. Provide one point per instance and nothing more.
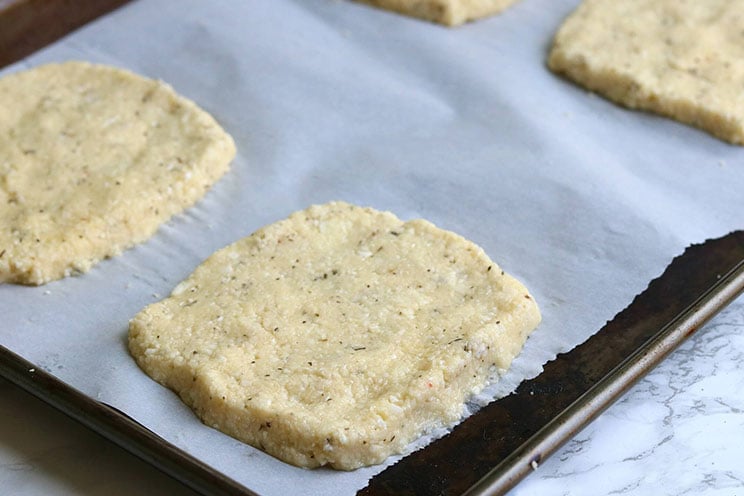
(681, 59)
(92, 160)
(447, 12)
(337, 336)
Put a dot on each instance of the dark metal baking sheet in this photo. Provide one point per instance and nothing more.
(499, 469)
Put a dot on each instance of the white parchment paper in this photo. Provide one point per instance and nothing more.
(583, 201)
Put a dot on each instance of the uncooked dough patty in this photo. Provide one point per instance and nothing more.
(447, 12)
(681, 59)
(337, 336)
(92, 160)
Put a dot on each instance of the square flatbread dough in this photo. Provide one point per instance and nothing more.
(92, 160)
(681, 59)
(447, 12)
(337, 336)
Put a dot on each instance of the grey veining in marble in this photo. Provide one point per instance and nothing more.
(679, 431)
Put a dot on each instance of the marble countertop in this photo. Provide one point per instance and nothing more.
(678, 431)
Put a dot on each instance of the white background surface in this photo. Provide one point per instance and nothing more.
(585, 202)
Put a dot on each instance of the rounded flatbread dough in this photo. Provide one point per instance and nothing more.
(683, 60)
(447, 12)
(337, 336)
(92, 160)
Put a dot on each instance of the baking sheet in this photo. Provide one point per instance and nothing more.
(583, 201)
